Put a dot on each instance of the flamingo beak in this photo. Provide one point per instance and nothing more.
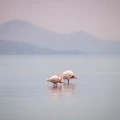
(76, 77)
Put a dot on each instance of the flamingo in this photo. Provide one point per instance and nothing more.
(60, 78)
(55, 79)
(67, 75)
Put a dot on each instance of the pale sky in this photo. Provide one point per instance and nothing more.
(100, 18)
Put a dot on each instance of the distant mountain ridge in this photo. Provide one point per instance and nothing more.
(13, 47)
(23, 31)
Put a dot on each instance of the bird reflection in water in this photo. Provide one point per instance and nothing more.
(65, 89)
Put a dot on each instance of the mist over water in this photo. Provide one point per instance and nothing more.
(25, 93)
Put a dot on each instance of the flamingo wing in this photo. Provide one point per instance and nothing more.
(54, 79)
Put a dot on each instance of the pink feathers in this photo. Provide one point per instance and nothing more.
(67, 75)
(55, 79)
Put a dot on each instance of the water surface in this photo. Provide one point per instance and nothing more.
(26, 95)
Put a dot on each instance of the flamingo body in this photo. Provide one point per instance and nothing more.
(55, 79)
(67, 75)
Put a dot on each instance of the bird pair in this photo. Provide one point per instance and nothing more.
(67, 75)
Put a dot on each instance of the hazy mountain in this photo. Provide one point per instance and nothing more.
(13, 47)
(22, 31)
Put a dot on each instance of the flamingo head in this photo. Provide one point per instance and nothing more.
(74, 76)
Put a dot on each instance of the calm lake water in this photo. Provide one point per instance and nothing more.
(25, 93)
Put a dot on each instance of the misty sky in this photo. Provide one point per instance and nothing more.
(100, 18)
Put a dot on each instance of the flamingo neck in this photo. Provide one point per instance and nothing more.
(62, 79)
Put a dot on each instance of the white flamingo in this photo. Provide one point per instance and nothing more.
(55, 79)
(67, 75)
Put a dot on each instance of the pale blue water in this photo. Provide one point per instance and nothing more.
(26, 95)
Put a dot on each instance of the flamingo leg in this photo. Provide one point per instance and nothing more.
(68, 81)
(54, 84)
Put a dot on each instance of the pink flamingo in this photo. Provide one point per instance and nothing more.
(67, 75)
(55, 79)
